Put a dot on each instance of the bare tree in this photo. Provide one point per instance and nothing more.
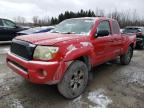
(45, 21)
(35, 20)
(99, 12)
(20, 20)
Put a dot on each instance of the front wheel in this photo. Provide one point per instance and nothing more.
(74, 81)
(125, 59)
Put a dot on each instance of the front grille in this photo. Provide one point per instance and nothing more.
(22, 49)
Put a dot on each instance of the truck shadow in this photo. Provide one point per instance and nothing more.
(104, 70)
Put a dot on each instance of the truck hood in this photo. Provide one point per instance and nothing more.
(47, 38)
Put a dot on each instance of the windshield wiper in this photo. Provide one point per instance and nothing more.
(69, 32)
(63, 32)
(55, 32)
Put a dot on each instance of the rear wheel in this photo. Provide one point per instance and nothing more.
(126, 58)
(74, 81)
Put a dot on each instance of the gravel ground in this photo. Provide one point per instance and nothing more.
(111, 86)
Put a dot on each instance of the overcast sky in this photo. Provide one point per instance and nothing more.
(29, 8)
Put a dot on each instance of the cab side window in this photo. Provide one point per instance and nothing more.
(8, 24)
(104, 26)
(115, 28)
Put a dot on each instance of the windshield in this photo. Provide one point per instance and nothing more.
(74, 26)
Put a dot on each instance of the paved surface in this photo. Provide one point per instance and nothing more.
(112, 86)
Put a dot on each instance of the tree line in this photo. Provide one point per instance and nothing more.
(66, 15)
(125, 18)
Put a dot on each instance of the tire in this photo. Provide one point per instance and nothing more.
(126, 58)
(74, 81)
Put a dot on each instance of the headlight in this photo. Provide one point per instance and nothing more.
(45, 52)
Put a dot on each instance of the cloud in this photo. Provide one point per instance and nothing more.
(29, 8)
(12, 9)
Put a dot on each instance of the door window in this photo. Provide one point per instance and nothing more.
(8, 24)
(104, 26)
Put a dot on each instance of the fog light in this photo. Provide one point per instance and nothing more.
(42, 73)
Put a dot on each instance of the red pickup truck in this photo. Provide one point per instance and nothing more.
(66, 55)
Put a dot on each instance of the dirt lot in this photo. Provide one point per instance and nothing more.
(112, 86)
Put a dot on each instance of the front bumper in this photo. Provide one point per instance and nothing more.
(31, 69)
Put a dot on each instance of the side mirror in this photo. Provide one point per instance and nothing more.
(102, 33)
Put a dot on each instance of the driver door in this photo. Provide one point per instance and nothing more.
(102, 44)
